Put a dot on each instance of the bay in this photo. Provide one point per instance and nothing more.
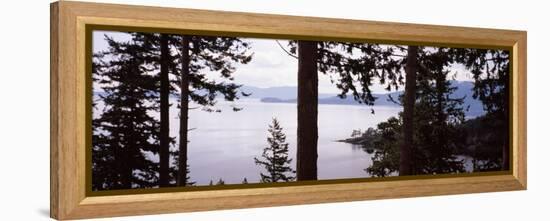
(223, 145)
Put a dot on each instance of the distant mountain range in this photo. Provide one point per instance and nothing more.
(289, 94)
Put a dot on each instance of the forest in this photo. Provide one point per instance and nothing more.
(135, 80)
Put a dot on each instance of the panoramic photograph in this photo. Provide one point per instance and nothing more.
(172, 110)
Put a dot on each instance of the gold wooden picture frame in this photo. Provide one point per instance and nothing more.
(70, 156)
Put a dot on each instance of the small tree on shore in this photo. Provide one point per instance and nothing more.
(275, 158)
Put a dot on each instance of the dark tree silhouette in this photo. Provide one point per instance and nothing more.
(351, 74)
(175, 61)
(198, 55)
(386, 141)
(436, 123)
(124, 130)
(411, 67)
(182, 176)
(490, 69)
(188, 72)
(156, 52)
(481, 136)
(438, 118)
(220, 182)
(306, 163)
(164, 152)
(275, 158)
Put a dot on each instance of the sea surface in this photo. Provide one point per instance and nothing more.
(223, 145)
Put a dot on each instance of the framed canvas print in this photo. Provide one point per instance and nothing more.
(161, 110)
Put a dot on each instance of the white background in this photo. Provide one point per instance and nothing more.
(24, 109)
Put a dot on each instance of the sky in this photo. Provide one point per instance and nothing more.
(270, 65)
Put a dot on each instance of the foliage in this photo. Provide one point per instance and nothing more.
(353, 67)
(436, 121)
(209, 54)
(437, 115)
(128, 72)
(275, 158)
(387, 138)
(490, 69)
(481, 136)
(124, 132)
(218, 183)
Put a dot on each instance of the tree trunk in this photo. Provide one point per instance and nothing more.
(126, 167)
(126, 163)
(406, 158)
(441, 137)
(184, 112)
(306, 167)
(120, 158)
(164, 113)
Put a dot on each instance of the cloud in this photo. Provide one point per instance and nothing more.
(270, 65)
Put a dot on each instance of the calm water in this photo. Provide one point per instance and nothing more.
(223, 145)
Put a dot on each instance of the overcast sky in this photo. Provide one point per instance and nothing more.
(270, 65)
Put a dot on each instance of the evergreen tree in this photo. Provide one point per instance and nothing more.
(124, 130)
(182, 62)
(159, 62)
(350, 72)
(386, 143)
(406, 160)
(490, 69)
(164, 151)
(481, 136)
(436, 120)
(197, 56)
(275, 158)
(220, 182)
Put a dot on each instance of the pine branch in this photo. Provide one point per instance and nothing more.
(287, 52)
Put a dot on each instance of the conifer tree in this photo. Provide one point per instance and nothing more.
(164, 151)
(123, 130)
(275, 158)
(163, 59)
(436, 119)
(197, 56)
(183, 62)
(490, 69)
(406, 160)
(353, 67)
(159, 62)
(386, 145)
(220, 182)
